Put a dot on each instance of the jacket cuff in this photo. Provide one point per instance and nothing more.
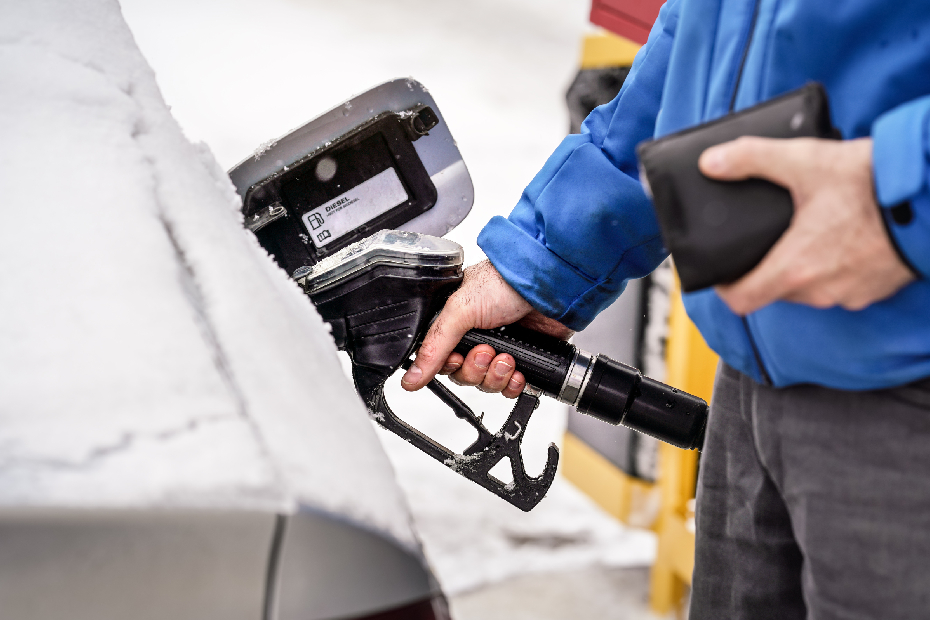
(908, 226)
(899, 168)
(520, 259)
(898, 152)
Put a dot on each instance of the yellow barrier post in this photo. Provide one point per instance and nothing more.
(623, 496)
(604, 49)
(691, 367)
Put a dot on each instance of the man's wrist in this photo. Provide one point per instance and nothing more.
(547, 282)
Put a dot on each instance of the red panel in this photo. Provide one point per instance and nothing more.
(632, 19)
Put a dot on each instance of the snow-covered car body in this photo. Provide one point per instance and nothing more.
(177, 438)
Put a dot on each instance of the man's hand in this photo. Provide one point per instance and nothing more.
(836, 251)
(485, 301)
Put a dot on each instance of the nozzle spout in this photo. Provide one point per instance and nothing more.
(620, 394)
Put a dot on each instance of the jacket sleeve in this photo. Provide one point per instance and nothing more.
(900, 151)
(584, 226)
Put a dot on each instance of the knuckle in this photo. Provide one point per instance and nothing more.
(470, 374)
(428, 350)
(806, 275)
(798, 279)
(736, 300)
(514, 386)
(495, 383)
(453, 363)
(744, 305)
(748, 147)
(470, 382)
(490, 387)
(745, 142)
(821, 299)
(449, 368)
(457, 301)
(855, 305)
(460, 378)
(740, 307)
(484, 348)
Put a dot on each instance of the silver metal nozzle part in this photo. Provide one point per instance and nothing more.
(575, 378)
(532, 391)
(587, 377)
(387, 246)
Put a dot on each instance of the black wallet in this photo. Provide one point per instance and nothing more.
(717, 231)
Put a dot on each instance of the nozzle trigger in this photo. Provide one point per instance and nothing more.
(479, 458)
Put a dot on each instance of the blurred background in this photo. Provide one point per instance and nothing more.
(238, 73)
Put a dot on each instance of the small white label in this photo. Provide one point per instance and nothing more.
(360, 204)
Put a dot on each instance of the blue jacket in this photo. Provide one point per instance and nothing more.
(584, 226)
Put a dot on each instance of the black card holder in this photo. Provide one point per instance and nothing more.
(717, 231)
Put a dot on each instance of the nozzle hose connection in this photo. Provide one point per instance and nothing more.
(598, 386)
(620, 394)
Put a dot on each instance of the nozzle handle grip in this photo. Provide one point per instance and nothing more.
(544, 360)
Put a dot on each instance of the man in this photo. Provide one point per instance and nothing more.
(814, 489)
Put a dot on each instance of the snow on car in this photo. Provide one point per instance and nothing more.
(177, 437)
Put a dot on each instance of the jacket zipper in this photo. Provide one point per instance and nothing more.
(742, 60)
(739, 78)
(766, 379)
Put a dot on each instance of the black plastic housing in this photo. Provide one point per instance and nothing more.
(380, 314)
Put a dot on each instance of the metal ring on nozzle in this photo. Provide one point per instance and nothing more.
(571, 388)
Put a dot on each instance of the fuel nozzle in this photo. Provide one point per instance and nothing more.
(598, 386)
(379, 296)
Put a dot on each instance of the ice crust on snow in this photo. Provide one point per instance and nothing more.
(263, 148)
(153, 355)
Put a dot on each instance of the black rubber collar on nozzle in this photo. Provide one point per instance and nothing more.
(619, 394)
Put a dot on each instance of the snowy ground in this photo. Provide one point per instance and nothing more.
(240, 72)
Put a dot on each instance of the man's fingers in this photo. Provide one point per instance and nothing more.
(753, 157)
(453, 363)
(836, 251)
(499, 373)
(743, 300)
(490, 373)
(768, 281)
(515, 385)
(445, 332)
(484, 300)
(476, 365)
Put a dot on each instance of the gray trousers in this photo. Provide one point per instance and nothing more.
(813, 503)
